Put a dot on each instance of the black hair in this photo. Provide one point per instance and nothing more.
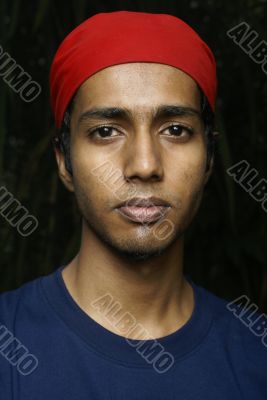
(62, 139)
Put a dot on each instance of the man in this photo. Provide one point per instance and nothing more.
(133, 96)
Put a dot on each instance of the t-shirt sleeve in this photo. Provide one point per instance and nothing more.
(8, 306)
(250, 354)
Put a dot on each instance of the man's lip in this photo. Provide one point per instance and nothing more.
(144, 202)
(143, 214)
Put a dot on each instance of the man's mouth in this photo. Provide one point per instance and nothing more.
(143, 214)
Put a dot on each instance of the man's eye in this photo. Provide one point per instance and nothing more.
(179, 130)
(103, 131)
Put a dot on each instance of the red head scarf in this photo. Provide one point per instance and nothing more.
(107, 39)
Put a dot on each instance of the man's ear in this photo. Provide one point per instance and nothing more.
(64, 175)
(209, 171)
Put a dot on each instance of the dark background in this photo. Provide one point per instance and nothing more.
(226, 244)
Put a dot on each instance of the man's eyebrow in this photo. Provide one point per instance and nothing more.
(123, 113)
(104, 113)
(176, 110)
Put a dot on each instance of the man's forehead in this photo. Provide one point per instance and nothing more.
(120, 86)
(139, 67)
(146, 71)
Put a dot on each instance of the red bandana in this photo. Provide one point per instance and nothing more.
(107, 39)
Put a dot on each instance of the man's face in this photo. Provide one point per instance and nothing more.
(140, 152)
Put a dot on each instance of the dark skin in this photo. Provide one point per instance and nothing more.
(117, 256)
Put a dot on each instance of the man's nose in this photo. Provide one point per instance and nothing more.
(143, 158)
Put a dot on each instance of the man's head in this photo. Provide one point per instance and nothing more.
(148, 124)
(62, 139)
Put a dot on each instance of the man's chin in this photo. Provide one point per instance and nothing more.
(140, 245)
(139, 255)
(139, 250)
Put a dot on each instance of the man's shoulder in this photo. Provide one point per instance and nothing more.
(212, 303)
(22, 300)
(12, 295)
(240, 327)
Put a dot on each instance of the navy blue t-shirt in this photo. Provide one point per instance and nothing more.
(50, 349)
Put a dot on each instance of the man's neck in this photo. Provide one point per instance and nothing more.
(154, 292)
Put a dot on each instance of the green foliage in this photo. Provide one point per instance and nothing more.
(226, 244)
